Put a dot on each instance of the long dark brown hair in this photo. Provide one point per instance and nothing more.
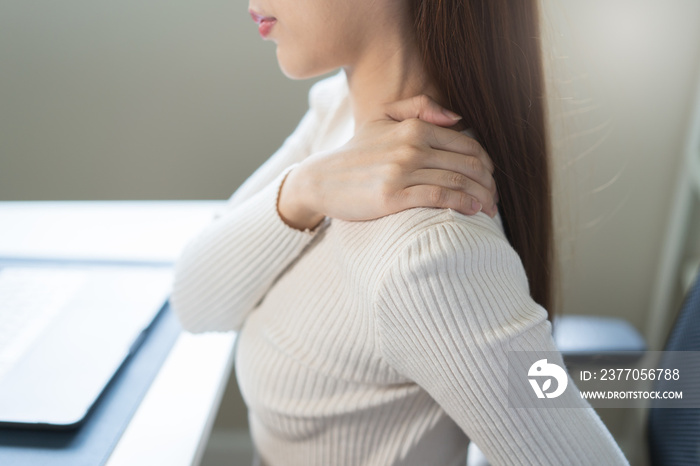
(485, 57)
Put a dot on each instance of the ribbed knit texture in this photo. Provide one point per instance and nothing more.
(380, 342)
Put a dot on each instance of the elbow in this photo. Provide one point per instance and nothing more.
(199, 304)
(199, 316)
(183, 299)
(184, 305)
(185, 314)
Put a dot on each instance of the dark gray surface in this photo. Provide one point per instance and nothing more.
(94, 441)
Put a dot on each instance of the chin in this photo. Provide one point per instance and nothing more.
(299, 69)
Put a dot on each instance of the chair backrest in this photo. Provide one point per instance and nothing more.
(673, 434)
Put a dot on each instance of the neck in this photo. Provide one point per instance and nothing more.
(386, 74)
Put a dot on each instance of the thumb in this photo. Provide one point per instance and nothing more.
(422, 107)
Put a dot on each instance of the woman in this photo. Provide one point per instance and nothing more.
(375, 328)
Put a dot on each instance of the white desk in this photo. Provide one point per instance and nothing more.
(151, 231)
(159, 434)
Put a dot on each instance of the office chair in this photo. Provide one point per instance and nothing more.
(673, 434)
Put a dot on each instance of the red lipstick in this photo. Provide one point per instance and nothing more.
(265, 23)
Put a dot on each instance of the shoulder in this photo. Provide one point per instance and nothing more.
(433, 242)
(455, 264)
(409, 226)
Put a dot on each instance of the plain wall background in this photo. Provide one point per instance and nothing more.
(183, 100)
(137, 100)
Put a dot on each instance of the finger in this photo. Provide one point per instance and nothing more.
(467, 165)
(447, 139)
(438, 196)
(453, 141)
(471, 185)
(422, 107)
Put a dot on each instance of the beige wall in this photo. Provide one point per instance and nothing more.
(176, 100)
(137, 100)
(632, 70)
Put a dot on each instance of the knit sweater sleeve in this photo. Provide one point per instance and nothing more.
(448, 310)
(225, 271)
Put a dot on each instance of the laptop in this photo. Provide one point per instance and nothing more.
(65, 329)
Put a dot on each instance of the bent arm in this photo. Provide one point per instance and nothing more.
(226, 270)
(449, 310)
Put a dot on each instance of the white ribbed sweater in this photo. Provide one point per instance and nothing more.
(380, 342)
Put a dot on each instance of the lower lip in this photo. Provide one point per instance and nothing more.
(265, 27)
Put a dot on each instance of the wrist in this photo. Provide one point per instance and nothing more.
(292, 206)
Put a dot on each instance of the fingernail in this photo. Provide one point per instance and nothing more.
(476, 205)
(451, 115)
